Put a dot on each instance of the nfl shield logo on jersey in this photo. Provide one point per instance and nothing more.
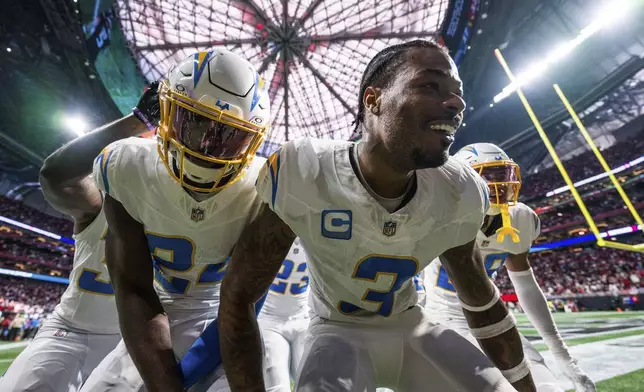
(485, 243)
(197, 214)
(389, 228)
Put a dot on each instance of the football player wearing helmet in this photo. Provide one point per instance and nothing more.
(176, 206)
(371, 216)
(505, 238)
(84, 326)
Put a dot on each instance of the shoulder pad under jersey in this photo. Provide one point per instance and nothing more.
(115, 168)
(288, 178)
(527, 221)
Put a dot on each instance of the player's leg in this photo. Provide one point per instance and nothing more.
(543, 377)
(99, 346)
(277, 353)
(52, 362)
(334, 360)
(186, 326)
(215, 382)
(116, 373)
(437, 356)
(297, 332)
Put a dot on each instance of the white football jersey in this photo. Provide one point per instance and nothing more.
(361, 258)
(288, 295)
(88, 302)
(190, 241)
(440, 292)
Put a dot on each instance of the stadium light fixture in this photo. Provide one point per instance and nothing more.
(608, 15)
(76, 124)
(564, 173)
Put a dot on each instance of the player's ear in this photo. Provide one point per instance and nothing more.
(371, 99)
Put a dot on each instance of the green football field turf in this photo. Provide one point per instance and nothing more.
(591, 339)
(623, 383)
(574, 318)
(7, 356)
(629, 382)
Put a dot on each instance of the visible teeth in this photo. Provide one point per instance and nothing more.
(443, 127)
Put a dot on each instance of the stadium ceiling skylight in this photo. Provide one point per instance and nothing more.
(608, 15)
(312, 53)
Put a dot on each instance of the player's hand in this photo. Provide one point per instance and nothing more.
(148, 110)
(572, 371)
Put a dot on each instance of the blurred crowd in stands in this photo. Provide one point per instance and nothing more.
(24, 304)
(16, 210)
(591, 270)
(586, 269)
(605, 205)
(580, 167)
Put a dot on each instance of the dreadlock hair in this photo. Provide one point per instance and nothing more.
(382, 66)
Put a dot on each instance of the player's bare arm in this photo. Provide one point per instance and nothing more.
(144, 325)
(64, 175)
(518, 262)
(256, 260)
(467, 273)
(535, 305)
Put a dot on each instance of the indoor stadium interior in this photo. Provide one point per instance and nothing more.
(556, 84)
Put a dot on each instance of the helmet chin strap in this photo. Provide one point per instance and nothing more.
(507, 228)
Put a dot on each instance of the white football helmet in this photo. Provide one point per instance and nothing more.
(495, 166)
(215, 113)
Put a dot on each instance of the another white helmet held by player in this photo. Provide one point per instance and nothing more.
(502, 175)
(215, 113)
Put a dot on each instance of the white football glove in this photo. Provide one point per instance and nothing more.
(572, 371)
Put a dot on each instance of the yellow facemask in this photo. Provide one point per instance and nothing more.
(504, 180)
(204, 137)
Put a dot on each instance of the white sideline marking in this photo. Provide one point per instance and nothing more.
(603, 360)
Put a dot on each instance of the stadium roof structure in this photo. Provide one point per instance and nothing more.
(44, 71)
(311, 53)
(605, 68)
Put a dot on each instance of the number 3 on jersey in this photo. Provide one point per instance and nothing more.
(492, 263)
(90, 280)
(280, 285)
(401, 269)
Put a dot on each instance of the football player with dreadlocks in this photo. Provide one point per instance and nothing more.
(371, 216)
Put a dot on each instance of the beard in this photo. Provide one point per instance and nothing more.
(423, 160)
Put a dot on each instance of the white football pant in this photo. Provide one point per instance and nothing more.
(407, 352)
(543, 378)
(117, 372)
(59, 359)
(284, 346)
